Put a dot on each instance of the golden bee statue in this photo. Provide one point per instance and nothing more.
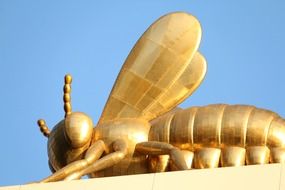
(142, 131)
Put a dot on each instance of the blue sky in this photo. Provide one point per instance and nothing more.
(40, 41)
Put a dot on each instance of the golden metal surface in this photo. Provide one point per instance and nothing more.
(147, 83)
(158, 163)
(66, 95)
(257, 155)
(234, 125)
(207, 125)
(258, 126)
(181, 131)
(277, 155)
(232, 156)
(276, 133)
(140, 130)
(43, 127)
(188, 157)
(207, 158)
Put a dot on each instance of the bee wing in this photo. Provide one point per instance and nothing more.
(153, 68)
(187, 83)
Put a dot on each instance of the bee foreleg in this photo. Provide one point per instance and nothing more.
(160, 148)
(120, 148)
(92, 154)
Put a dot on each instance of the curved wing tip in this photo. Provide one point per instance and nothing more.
(182, 13)
(204, 61)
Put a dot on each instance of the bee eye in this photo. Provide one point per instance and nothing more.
(78, 129)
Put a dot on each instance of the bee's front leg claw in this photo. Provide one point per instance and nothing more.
(32, 182)
(73, 176)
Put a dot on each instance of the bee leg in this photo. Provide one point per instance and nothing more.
(158, 163)
(92, 154)
(188, 157)
(154, 148)
(51, 167)
(120, 148)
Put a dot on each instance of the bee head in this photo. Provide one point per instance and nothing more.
(78, 129)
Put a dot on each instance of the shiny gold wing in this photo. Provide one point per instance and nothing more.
(187, 83)
(160, 72)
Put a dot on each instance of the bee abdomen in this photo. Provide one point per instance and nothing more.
(220, 126)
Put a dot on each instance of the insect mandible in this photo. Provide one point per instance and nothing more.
(139, 130)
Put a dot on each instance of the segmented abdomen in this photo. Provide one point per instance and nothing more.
(219, 126)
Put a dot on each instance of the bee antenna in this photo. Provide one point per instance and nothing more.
(43, 127)
(66, 95)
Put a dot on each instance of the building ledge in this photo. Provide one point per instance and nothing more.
(259, 177)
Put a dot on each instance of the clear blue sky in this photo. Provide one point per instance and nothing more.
(41, 41)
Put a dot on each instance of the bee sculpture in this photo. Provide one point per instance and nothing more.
(140, 130)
